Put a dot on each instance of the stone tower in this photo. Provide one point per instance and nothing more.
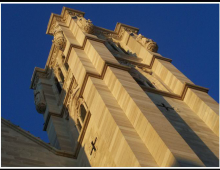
(109, 99)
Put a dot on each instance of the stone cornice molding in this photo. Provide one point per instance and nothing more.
(59, 39)
(105, 32)
(147, 43)
(192, 86)
(39, 73)
(61, 18)
(119, 27)
(175, 96)
(37, 140)
(85, 25)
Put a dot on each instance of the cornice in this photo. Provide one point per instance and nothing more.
(119, 26)
(62, 18)
(160, 92)
(105, 30)
(175, 96)
(53, 18)
(68, 11)
(38, 72)
(71, 10)
(192, 86)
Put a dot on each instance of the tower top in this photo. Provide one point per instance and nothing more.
(67, 13)
(61, 18)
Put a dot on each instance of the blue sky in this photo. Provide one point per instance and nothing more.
(188, 34)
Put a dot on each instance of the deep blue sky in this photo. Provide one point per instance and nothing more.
(188, 34)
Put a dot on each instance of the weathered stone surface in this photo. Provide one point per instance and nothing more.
(24, 152)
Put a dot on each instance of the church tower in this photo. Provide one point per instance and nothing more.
(109, 99)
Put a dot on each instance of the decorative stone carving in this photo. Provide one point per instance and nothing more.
(106, 34)
(53, 24)
(93, 148)
(71, 13)
(55, 69)
(85, 25)
(41, 75)
(74, 89)
(39, 101)
(66, 14)
(123, 29)
(73, 93)
(35, 82)
(149, 44)
(59, 39)
(53, 56)
(63, 20)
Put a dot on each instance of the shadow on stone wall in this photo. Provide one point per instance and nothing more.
(191, 138)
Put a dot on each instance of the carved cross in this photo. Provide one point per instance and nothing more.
(93, 146)
(166, 107)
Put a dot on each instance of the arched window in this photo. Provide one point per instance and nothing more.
(82, 111)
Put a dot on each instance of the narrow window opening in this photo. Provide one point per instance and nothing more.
(58, 85)
(82, 112)
(66, 66)
(61, 75)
